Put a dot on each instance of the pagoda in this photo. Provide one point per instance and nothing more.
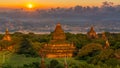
(106, 44)
(58, 47)
(104, 36)
(7, 36)
(92, 34)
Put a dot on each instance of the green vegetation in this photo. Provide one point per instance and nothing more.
(90, 52)
(14, 60)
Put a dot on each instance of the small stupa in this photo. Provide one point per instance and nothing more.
(7, 36)
(92, 34)
(107, 44)
(104, 36)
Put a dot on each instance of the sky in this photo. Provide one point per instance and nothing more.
(53, 3)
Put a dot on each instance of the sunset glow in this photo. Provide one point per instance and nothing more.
(30, 5)
(52, 3)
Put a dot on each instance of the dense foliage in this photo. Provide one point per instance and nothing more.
(90, 52)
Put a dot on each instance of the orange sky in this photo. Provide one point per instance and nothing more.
(52, 3)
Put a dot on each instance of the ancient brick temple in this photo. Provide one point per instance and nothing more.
(92, 34)
(104, 36)
(7, 36)
(107, 44)
(58, 47)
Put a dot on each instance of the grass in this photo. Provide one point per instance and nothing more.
(15, 60)
(20, 60)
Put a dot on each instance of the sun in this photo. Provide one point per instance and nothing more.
(30, 5)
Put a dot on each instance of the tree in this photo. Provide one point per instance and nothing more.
(113, 62)
(104, 55)
(44, 38)
(7, 45)
(37, 45)
(26, 48)
(117, 45)
(89, 50)
(53, 63)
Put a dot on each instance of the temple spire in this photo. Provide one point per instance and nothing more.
(92, 29)
(104, 36)
(92, 34)
(7, 31)
(58, 33)
(7, 35)
(107, 44)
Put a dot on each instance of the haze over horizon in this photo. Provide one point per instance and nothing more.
(76, 18)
